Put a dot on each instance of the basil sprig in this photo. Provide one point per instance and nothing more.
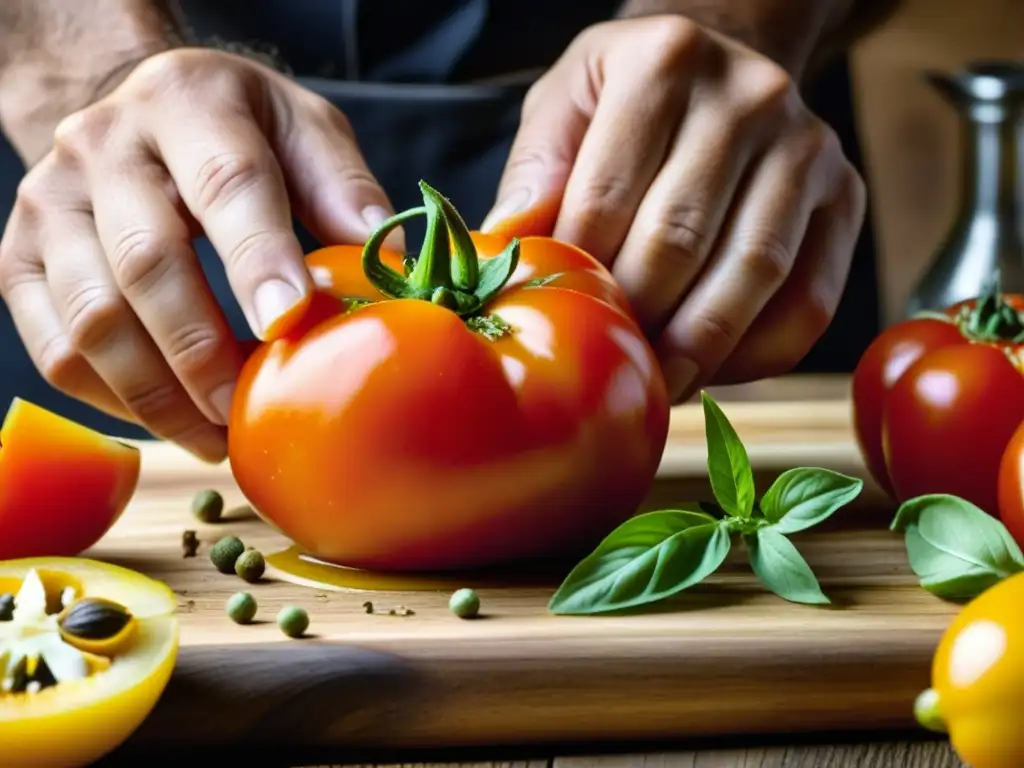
(659, 554)
(956, 549)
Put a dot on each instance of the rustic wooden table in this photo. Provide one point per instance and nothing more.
(873, 750)
(896, 753)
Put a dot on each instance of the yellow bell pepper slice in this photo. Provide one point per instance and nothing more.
(92, 702)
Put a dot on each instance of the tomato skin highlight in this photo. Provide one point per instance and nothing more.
(1011, 486)
(948, 421)
(883, 362)
(62, 485)
(392, 437)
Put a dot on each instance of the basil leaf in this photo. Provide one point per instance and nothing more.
(732, 479)
(803, 497)
(648, 558)
(943, 574)
(782, 569)
(956, 549)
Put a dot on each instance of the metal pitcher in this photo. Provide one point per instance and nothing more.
(987, 238)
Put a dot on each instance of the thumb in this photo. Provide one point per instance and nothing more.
(537, 171)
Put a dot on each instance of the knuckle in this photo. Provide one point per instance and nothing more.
(328, 115)
(36, 190)
(139, 259)
(254, 248)
(180, 69)
(360, 180)
(83, 132)
(60, 365)
(812, 153)
(820, 141)
(226, 83)
(674, 41)
(94, 314)
(767, 89)
(151, 400)
(679, 236)
(765, 257)
(165, 69)
(600, 199)
(711, 329)
(224, 176)
(854, 191)
(529, 159)
(193, 347)
(819, 309)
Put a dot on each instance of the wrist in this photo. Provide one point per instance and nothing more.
(57, 68)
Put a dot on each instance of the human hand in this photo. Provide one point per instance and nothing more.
(688, 164)
(96, 263)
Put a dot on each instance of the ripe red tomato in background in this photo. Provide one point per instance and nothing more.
(883, 363)
(937, 399)
(1011, 486)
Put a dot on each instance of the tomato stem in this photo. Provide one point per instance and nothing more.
(448, 271)
(993, 319)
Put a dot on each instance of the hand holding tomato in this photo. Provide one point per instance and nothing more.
(937, 399)
(97, 265)
(689, 165)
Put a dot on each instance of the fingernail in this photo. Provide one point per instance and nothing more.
(680, 374)
(374, 216)
(513, 203)
(272, 300)
(220, 401)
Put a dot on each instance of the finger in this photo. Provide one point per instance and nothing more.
(103, 328)
(24, 288)
(681, 215)
(335, 194)
(802, 309)
(753, 261)
(231, 182)
(551, 130)
(149, 249)
(624, 146)
(39, 325)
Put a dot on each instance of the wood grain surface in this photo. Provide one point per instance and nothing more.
(872, 754)
(925, 754)
(725, 658)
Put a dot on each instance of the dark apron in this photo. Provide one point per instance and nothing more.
(422, 108)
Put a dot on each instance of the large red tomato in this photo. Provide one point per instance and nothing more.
(62, 485)
(936, 400)
(455, 414)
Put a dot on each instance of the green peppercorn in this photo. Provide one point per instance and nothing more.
(225, 552)
(241, 607)
(208, 506)
(6, 607)
(293, 621)
(250, 565)
(464, 603)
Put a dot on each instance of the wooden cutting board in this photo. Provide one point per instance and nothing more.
(725, 658)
